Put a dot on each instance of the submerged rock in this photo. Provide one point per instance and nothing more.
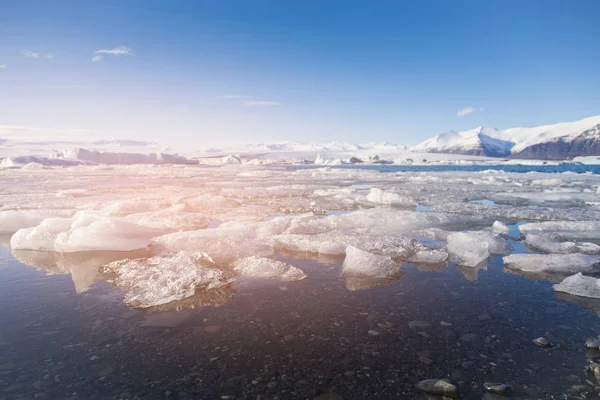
(440, 387)
(592, 343)
(542, 342)
(497, 388)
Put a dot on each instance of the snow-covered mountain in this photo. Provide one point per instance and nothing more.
(477, 142)
(558, 141)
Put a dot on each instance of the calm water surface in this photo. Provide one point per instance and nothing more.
(264, 339)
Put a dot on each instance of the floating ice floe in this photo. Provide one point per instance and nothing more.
(579, 285)
(568, 229)
(224, 245)
(379, 196)
(13, 220)
(149, 282)
(472, 248)
(500, 227)
(336, 243)
(261, 267)
(552, 244)
(85, 231)
(555, 263)
(362, 264)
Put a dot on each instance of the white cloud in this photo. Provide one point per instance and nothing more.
(33, 54)
(233, 96)
(2, 65)
(117, 51)
(467, 111)
(261, 103)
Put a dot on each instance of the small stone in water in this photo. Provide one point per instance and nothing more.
(542, 342)
(444, 323)
(497, 388)
(440, 387)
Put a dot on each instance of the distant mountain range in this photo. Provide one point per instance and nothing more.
(554, 142)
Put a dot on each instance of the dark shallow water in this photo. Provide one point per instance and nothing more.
(269, 339)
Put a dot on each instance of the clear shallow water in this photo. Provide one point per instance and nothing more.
(268, 339)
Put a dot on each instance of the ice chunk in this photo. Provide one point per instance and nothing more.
(558, 263)
(471, 248)
(174, 218)
(378, 196)
(579, 285)
(224, 245)
(127, 207)
(553, 244)
(500, 227)
(150, 282)
(13, 220)
(437, 256)
(261, 267)
(85, 231)
(335, 243)
(569, 229)
(362, 264)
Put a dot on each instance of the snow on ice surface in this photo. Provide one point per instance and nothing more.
(154, 281)
(579, 285)
(560, 263)
(261, 267)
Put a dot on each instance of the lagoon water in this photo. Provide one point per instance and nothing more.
(66, 333)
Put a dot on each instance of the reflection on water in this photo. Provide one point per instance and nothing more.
(83, 267)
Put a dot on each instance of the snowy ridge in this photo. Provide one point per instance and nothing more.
(557, 141)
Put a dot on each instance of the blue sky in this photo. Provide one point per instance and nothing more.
(207, 73)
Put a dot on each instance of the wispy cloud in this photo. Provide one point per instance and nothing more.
(467, 111)
(117, 51)
(33, 54)
(261, 103)
(2, 65)
(233, 96)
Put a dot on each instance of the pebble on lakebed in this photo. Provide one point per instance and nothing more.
(497, 388)
(542, 342)
(439, 387)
